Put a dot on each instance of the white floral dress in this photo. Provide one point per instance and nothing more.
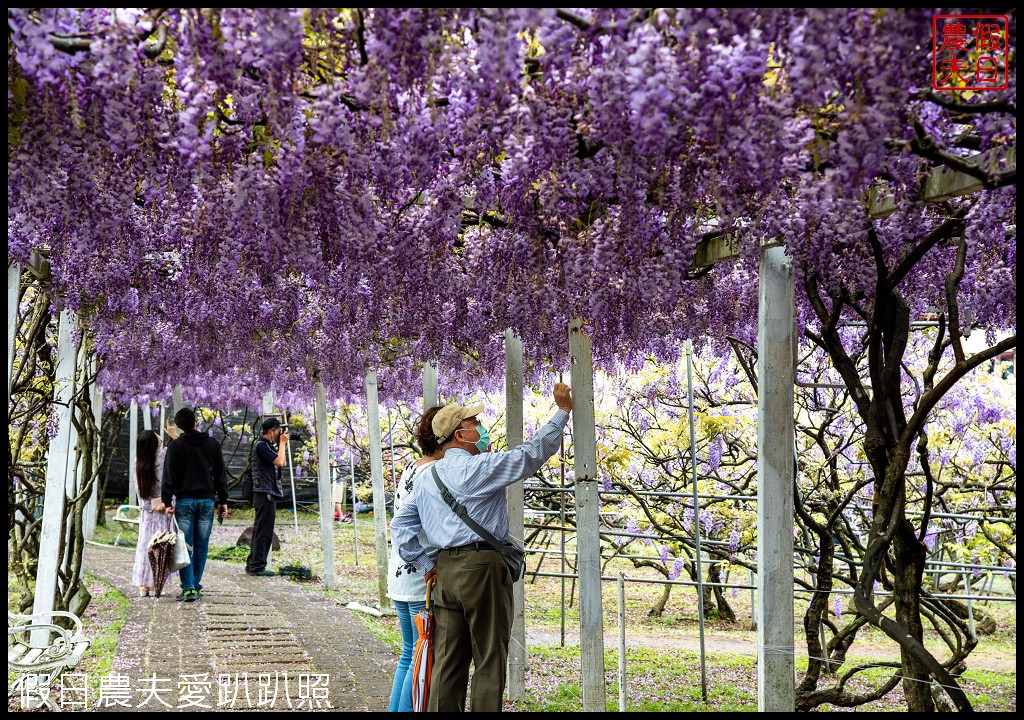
(150, 523)
(405, 581)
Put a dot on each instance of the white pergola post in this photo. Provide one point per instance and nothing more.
(429, 386)
(54, 498)
(380, 521)
(178, 402)
(89, 513)
(514, 500)
(588, 505)
(775, 466)
(147, 416)
(133, 435)
(73, 478)
(268, 409)
(324, 485)
(291, 476)
(13, 293)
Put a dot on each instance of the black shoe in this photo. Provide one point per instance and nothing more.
(261, 573)
(188, 596)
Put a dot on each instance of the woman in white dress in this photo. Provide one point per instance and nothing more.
(149, 467)
(405, 582)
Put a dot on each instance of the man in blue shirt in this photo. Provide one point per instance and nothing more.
(473, 588)
(268, 457)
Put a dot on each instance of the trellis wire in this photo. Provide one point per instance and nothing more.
(752, 586)
(622, 662)
(749, 498)
(700, 584)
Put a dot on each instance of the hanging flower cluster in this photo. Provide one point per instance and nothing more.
(247, 199)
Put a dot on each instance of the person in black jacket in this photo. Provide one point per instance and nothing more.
(194, 476)
(268, 457)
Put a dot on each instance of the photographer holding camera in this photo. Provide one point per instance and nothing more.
(268, 457)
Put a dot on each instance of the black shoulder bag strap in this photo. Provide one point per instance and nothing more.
(460, 510)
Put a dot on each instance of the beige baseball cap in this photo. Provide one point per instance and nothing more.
(448, 418)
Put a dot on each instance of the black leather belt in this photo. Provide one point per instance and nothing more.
(480, 545)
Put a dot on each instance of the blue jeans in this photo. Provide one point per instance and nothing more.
(401, 691)
(195, 518)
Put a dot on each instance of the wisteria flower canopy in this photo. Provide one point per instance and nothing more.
(243, 199)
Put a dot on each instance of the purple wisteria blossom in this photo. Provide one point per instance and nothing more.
(734, 542)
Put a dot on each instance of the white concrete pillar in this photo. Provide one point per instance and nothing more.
(73, 478)
(89, 513)
(54, 498)
(147, 416)
(268, 409)
(291, 475)
(133, 436)
(776, 690)
(698, 562)
(429, 386)
(380, 521)
(13, 293)
(588, 506)
(324, 485)
(514, 500)
(178, 402)
(355, 512)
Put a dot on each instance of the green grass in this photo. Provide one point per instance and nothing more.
(229, 553)
(656, 681)
(670, 681)
(102, 623)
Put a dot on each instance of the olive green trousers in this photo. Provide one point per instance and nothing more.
(472, 622)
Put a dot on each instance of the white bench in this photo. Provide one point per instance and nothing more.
(129, 517)
(40, 664)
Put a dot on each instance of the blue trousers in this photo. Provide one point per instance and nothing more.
(401, 691)
(195, 518)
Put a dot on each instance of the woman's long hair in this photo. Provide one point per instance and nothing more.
(145, 463)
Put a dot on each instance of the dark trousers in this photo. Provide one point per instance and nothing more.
(262, 532)
(472, 623)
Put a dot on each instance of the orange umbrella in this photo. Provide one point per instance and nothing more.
(423, 656)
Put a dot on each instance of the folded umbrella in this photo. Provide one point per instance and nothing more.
(423, 656)
(161, 558)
